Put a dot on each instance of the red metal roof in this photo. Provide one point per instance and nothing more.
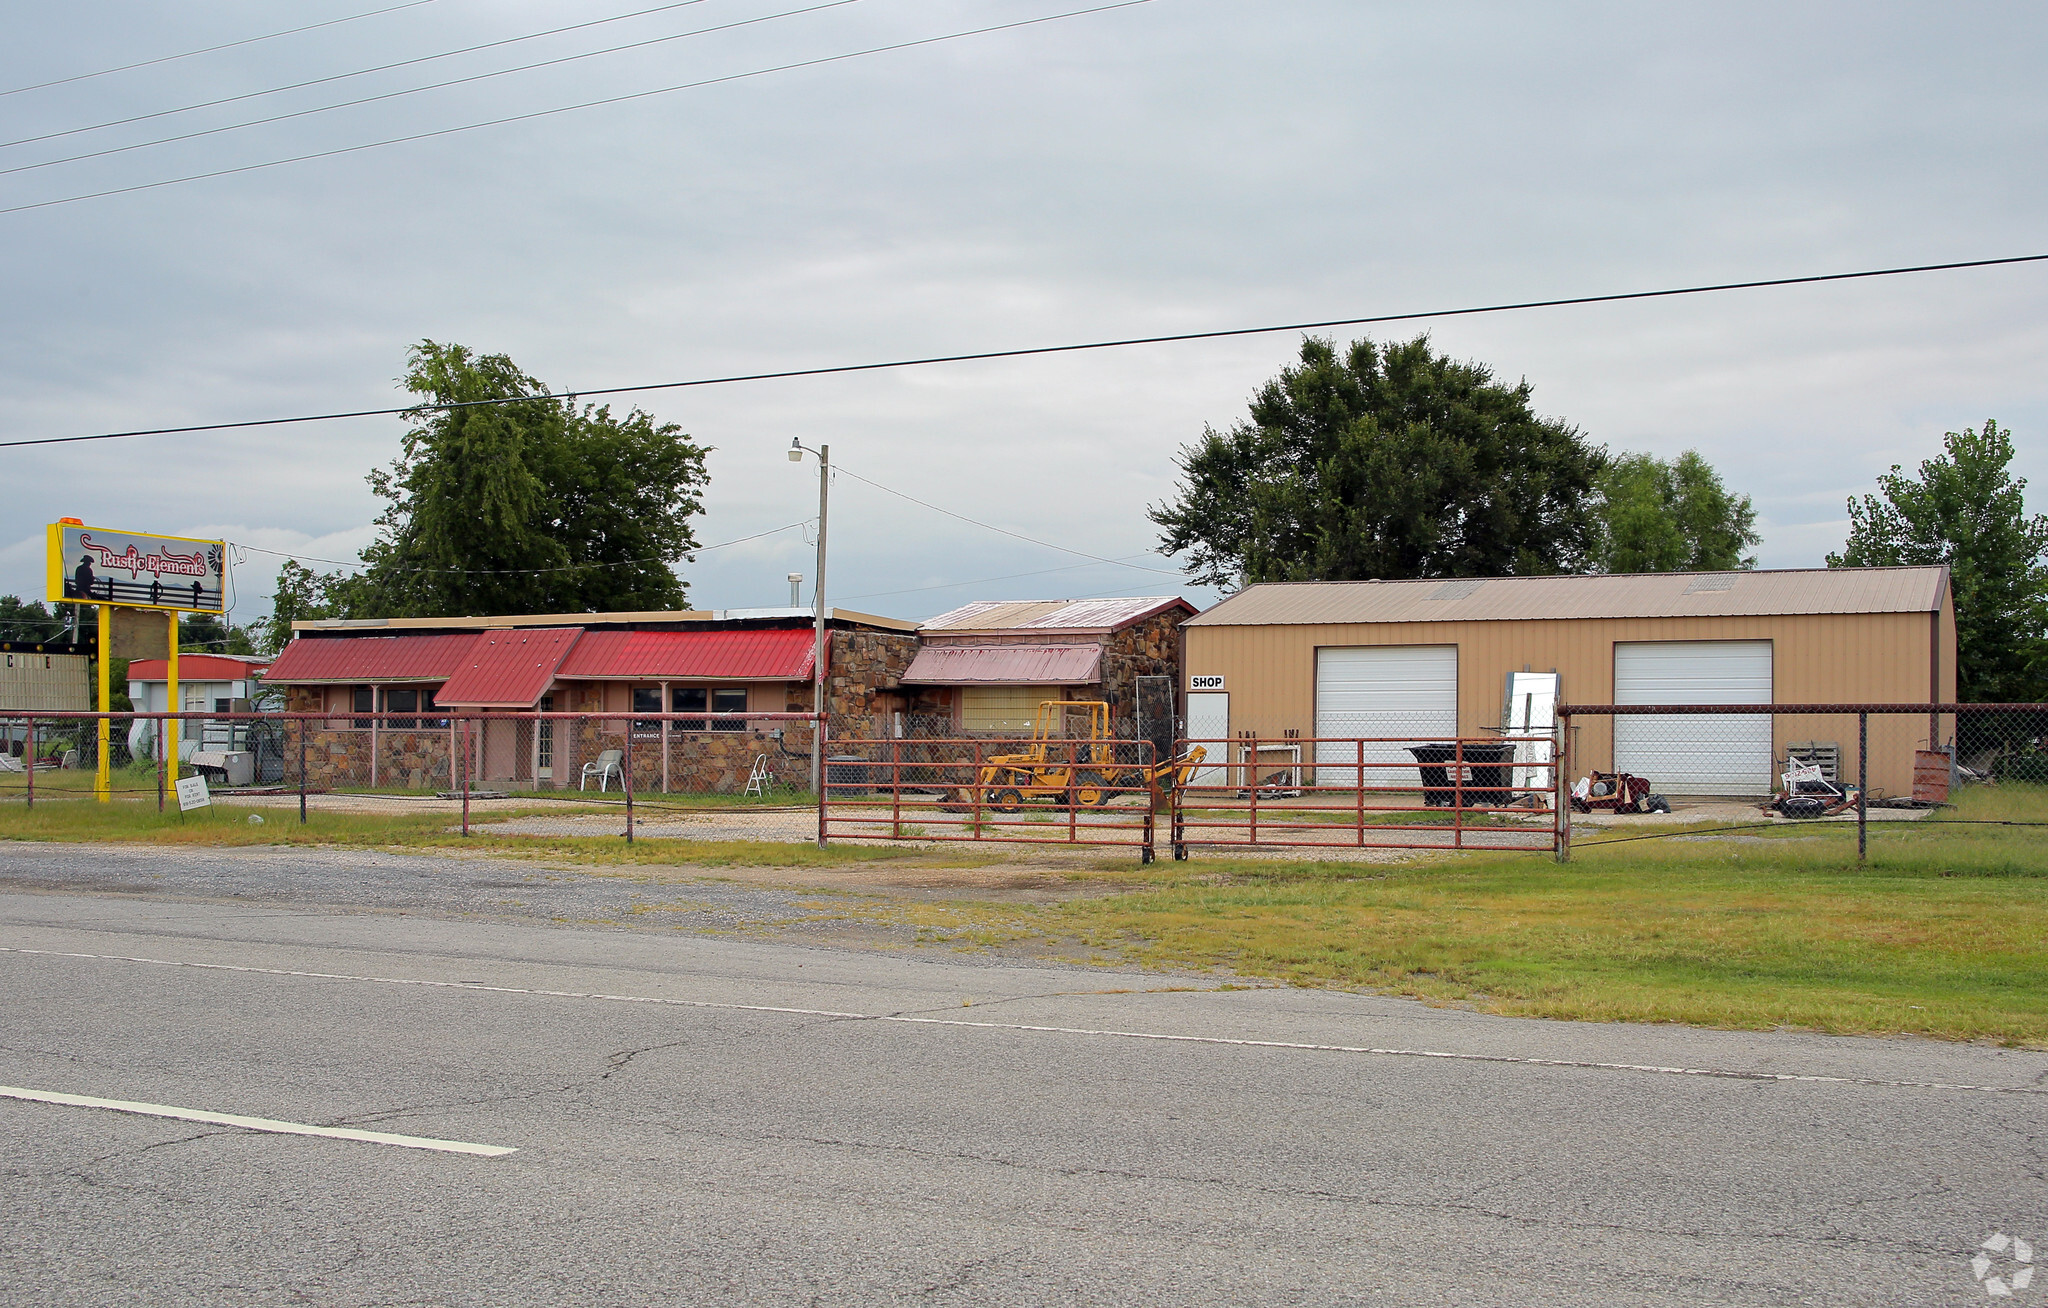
(197, 667)
(691, 655)
(508, 669)
(321, 659)
(1030, 665)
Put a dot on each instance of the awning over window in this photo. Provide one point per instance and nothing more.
(1016, 665)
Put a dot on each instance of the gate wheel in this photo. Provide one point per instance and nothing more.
(1180, 853)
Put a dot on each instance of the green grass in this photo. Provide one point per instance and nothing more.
(226, 824)
(1944, 932)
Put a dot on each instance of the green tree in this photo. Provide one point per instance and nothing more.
(206, 633)
(1671, 516)
(302, 595)
(534, 505)
(28, 620)
(1967, 510)
(1391, 461)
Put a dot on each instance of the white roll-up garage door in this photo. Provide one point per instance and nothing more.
(1405, 691)
(1684, 754)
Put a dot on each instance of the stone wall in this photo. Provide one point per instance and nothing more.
(338, 755)
(1145, 649)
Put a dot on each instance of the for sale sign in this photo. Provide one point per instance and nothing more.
(98, 565)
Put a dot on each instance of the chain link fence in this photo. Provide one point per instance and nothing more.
(1625, 772)
(1653, 767)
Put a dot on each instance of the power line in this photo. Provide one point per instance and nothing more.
(251, 40)
(415, 90)
(360, 72)
(1029, 351)
(571, 108)
(1002, 531)
(523, 572)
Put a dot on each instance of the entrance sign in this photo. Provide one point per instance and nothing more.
(96, 565)
(192, 794)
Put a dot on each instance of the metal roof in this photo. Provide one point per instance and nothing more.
(198, 667)
(589, 620)
(1014, 665)
(691, 656)
(1635, 595)
(1054, 615)
(369, 658)
(507, 669)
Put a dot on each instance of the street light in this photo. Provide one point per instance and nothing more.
(797, 450)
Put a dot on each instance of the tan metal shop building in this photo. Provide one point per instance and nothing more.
(1431, 658)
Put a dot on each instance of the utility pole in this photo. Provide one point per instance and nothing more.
(797, 451)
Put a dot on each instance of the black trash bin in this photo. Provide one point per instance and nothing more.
(1489, 767)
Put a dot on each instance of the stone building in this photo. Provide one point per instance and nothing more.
(986, 666)
(511, 672)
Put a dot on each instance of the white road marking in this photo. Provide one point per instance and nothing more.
(1721, 1073)
(255, 1123)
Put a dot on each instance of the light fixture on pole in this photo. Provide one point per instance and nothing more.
(797, 450)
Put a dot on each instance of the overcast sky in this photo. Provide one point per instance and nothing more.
(1178, 165)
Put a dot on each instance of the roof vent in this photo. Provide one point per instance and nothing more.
(1456, 590)
(1706, 584)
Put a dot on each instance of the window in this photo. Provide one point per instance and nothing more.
(732, 700)
(404, 699)
(689, 699)
(646, 699)
(364, 700)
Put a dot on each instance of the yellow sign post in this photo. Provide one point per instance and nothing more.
(124, 569)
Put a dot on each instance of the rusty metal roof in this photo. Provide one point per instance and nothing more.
(314, 660)
(1013, 665)
(1635, 595)
(507, 669)
(1054, 615)
(783, 655)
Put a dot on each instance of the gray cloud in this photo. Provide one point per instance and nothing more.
(1182, 165)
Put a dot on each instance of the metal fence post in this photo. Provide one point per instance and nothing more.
(1862, 786)
(31, 763)
(158, 742)
(1561, 836)
(824, 773)
(303, 726)
(627, 780)
(461, 760)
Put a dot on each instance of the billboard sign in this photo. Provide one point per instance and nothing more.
(95, 565)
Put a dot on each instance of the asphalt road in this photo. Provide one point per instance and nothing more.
(710, 1119)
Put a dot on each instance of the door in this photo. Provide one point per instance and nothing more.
(1405, 691)
(1687, 754)
(1209, 727)
(1529, 718)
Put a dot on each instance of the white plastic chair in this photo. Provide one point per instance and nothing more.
(605, 768)
(758, 777)
(1804, 778)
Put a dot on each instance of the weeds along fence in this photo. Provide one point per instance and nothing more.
(1765, 764)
